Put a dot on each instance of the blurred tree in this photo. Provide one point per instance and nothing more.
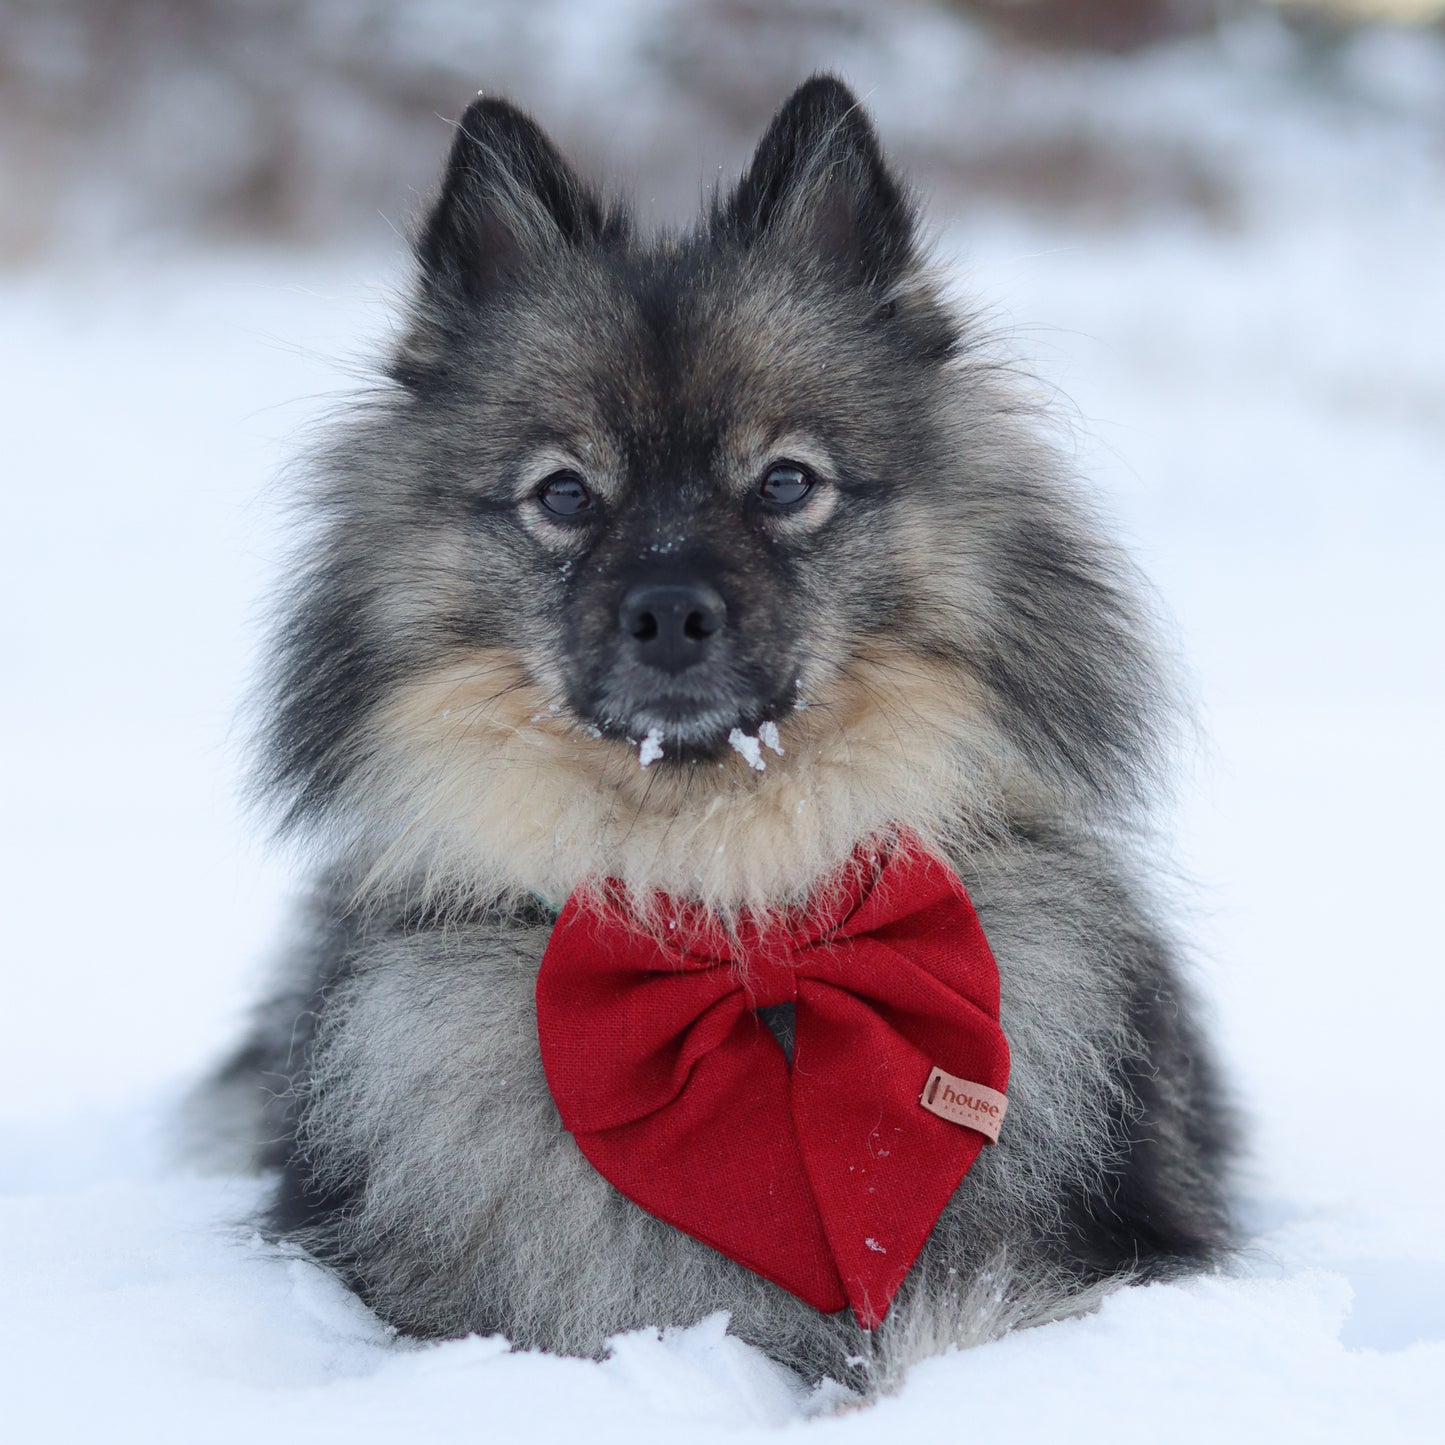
(1117, 26)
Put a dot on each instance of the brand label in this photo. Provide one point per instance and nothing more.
(974, 1105)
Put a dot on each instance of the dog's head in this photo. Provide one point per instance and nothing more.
(733, 539)
(679, 457)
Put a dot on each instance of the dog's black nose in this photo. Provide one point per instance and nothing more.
(672, 622)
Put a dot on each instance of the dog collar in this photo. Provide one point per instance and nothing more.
(827, 1177)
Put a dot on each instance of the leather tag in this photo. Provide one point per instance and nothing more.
(974, 1105)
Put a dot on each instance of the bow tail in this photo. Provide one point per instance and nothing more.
(882, 1168)
(730, 1126)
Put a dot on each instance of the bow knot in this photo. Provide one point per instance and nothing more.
(768, 983)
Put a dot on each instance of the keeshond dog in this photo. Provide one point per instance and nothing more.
(685, 567)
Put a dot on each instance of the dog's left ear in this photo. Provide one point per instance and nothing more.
(818, 182)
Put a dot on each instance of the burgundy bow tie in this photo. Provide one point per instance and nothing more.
(825, 1178)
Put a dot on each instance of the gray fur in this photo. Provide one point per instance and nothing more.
(449, 723)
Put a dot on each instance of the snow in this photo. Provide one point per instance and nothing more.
(747, 747)
(768, 736)
(1261, 406)
(650, 748)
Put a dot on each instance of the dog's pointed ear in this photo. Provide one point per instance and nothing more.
(818, 181)
(507, 199)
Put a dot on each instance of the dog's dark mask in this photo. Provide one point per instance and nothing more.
(678, 457)
(679, 624)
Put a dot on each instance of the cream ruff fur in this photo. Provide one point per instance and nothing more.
(479, 782)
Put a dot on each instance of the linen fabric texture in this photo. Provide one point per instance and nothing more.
(825, 1177)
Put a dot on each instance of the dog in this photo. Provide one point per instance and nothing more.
(712, 567)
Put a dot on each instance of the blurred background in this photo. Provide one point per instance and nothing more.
(142, 123)
(1213, 230)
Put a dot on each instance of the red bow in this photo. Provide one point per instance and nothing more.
(826, 1178)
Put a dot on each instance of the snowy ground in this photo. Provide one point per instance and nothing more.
(1265, 413)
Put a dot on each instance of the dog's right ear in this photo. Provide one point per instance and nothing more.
(507, 199)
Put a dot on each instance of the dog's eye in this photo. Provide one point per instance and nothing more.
(786, 484)
(565, 494)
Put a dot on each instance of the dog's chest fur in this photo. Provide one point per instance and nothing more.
(438, 1174)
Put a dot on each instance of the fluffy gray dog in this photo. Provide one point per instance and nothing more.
(623, 510)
